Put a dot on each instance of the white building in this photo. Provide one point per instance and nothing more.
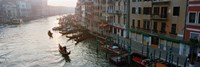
(9, 10)
(24, 8)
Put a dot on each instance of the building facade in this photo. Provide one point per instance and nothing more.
(193, 21)
(9, 10)
(115, 15)
(153, 25)
(23, 8)
(39, 8)
(159, 23)
(89, 13)
(12, 9)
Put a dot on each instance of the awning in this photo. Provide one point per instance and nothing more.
(103, 24)
(161, 37)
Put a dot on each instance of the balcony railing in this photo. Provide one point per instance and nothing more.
(125, 12)
(110, 12)
(118, 12)
(159, 17)
(161, 1)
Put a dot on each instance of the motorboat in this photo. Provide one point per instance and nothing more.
(17, 21)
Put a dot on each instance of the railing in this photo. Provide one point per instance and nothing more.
(118, 12)
(110, 11)
(125, 12)
(159, 17)
(161, 1)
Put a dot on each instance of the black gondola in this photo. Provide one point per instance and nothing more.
(63, 50)
(50, 34)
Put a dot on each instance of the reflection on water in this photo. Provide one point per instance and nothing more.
(28, 45)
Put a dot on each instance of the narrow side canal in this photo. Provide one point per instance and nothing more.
(28, 45)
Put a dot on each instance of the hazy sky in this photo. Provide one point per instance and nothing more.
(68, 3)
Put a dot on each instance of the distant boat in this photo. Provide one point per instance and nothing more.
(17, 21)
(63, 51)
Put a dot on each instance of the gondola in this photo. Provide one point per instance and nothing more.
(63, 50)
(142, 60)
(50, 34)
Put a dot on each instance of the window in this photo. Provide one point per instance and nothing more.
(163, 27)
(138, 25)
(139, 10)
(155, 27)
(139, 0)
(164, 12)
(147, 0)
(133, 10)
(173, 29)
(176, 11)
(115, 31)
(156, 10)
(111, 29)
(125, 19)
(133, 0)
(122, 32)
(147, 10)
(133, 24)
(199, 19)
(146, 24)
(195, 35)
(192, 17)
(118, 19)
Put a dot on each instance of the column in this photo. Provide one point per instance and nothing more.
(165, 45)
(149, 41)
(181, 48)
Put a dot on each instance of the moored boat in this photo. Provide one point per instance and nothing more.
(17, 21)
(56, 28)
(117, 60)
(142, 60)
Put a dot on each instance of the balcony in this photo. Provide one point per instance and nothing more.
(118, 12)
(125, 12)
(110, 12)
(111, 2)
(161, 2)
(159, 17)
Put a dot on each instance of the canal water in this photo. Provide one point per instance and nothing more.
(28, 45)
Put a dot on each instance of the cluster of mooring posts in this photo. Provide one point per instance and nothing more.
(68, 26)
(120, 53)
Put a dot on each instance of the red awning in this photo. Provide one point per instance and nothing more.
(103, 24)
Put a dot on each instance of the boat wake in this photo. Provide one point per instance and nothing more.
(6, 54)
(58, 61)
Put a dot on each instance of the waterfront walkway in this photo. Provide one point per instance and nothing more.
(142, 49)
